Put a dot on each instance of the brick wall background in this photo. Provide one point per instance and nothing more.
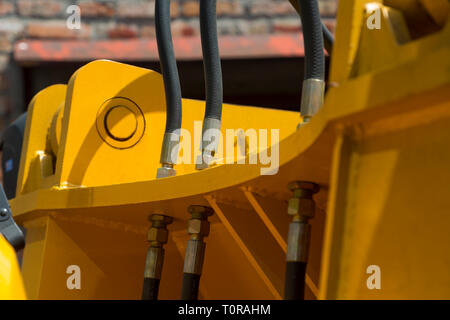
(125, 19)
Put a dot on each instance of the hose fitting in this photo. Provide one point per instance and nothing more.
(172, 88)
(209, 143)
(157, 236)
(169, 155)
(301, 207)
(312, 98)
(198, 229)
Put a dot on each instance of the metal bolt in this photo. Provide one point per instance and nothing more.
(158, 234)
(302, 205)
(160, 220)
(300, 185)
(3, 212)
(200, 212)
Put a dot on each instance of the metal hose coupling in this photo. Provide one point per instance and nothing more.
(157, 237)
(169, 155)
(209, 143)
(312, 98)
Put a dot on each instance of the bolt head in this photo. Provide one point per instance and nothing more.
(158, 234)
(3, 212)
(198, 226)
(304, 185)
(200, 212)
(301, 206)
(160, 218)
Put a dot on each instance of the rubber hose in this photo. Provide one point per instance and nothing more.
(328, 39)
(211, 59)
(189, 290)
(150, 289)
(294, 288)
(168, 65)
(327, 35)
(313, 39)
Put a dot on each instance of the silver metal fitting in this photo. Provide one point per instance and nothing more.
(302, 207)
(158, 233)
(169, 155)
(312, 97)
(298, 241)
(198, 228)
(157, 236)
(169, 151)
(200, 212)
(195, 253)
(209, 143)
(154, 263)
(165, 171)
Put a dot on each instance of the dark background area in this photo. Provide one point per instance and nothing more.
(274, 83)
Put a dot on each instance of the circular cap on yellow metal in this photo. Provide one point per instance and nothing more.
(120, 123)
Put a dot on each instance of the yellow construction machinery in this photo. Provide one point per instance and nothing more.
(366, 177)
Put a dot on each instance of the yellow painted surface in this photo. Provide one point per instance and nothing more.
(11, 284)
(378, 148)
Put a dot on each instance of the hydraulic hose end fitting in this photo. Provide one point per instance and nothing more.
(209, 143)
(169, 155)
(302, 208)
(312, 98)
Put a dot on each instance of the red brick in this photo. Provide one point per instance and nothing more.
(191, 8)
(286, 25)
(258, 26)
(148, 32)
(229, 8)
(328, 8)
(271, 8)
(5, 42)
(6, 8)
(174, 9)
(56, 30)
(40, 8)
(136, 9)
(96, 9)
(184, 29)
(123, 31)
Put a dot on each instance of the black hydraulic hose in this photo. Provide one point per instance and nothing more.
(168, 65)
(150, 289)
(327, 35)
(313, 39)
(294, 288)
(189, 289)
(211, 59)
(328, 39)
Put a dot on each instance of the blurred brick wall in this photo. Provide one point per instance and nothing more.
(120, 19)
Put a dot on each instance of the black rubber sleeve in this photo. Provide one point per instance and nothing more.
(294, 288)
(211, 59)
(313, 39)
(168, 65)
(327, 35)
(150, 289)
(189, 289)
